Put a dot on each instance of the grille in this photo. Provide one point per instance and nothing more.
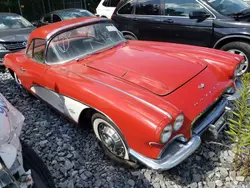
(15, 45)
(210, 115)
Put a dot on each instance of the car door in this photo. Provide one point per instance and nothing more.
(147, 19)
(33, 69)
(178, 27)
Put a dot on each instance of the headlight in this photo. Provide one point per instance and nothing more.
(166, 133)
(2, 47)
(178, 122)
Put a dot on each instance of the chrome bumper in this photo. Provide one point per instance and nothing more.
(175, 155)
(178, 151)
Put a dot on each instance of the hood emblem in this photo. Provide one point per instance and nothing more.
(24, 44)
(201, 86)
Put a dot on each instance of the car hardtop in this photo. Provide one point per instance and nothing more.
(48, 31)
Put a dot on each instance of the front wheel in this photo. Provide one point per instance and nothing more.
(39, 172)
(111, 140)
(242, 49)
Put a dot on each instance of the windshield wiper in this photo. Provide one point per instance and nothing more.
(240, 14)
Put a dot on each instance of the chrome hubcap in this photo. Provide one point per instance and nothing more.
(244, 65)
(111, 139)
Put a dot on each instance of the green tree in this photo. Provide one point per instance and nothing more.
(8, 4)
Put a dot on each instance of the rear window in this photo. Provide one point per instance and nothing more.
(148, 7)
(110, 3)
(127, 8)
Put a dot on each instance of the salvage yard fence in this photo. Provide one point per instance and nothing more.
(35, 9)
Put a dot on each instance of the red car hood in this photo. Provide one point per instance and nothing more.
(157, 70)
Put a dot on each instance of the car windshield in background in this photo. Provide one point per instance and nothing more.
(74, 14)
(83, 41)
(228, 7)
(13, 22)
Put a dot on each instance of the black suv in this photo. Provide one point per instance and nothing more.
(220, 24)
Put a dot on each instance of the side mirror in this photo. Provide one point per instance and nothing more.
(198, 15)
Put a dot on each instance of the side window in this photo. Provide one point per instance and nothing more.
(181, 7)
(38, 50)
(30, 49)
(149, 7)
(56, 18)
(127, 9)
(47, 18)
(110, 3)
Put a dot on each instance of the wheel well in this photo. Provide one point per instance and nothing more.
(11, 72)
(85, 117)
(129, 33)
(233, 39)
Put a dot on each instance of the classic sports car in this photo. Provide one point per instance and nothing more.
(148, 102)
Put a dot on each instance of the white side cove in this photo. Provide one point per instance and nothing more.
(63, 104)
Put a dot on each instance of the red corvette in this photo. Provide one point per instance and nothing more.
(148, 102)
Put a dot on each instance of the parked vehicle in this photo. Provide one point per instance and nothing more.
(14, 32)
(106, 8)
(20, 166)
(59, 15)
(220, 24)
(148, 101)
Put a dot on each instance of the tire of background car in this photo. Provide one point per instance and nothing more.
(40, 174)
(129, 37)
(240, 48)
(107, 132)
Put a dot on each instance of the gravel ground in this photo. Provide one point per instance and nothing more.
(76, 160)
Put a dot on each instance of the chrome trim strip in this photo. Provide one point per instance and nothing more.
(175, 157)
(126, 93)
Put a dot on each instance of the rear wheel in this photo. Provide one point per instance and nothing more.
(242, 49)
(39, 172)
(129, 37)
(112, 140)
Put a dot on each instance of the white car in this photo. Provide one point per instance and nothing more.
(106, 8)
(20, 166)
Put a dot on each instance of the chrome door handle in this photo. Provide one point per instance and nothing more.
(22, 69)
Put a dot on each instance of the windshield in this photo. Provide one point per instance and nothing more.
(13, 22)
(83, 41)
(74, 14)
(227, 7)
